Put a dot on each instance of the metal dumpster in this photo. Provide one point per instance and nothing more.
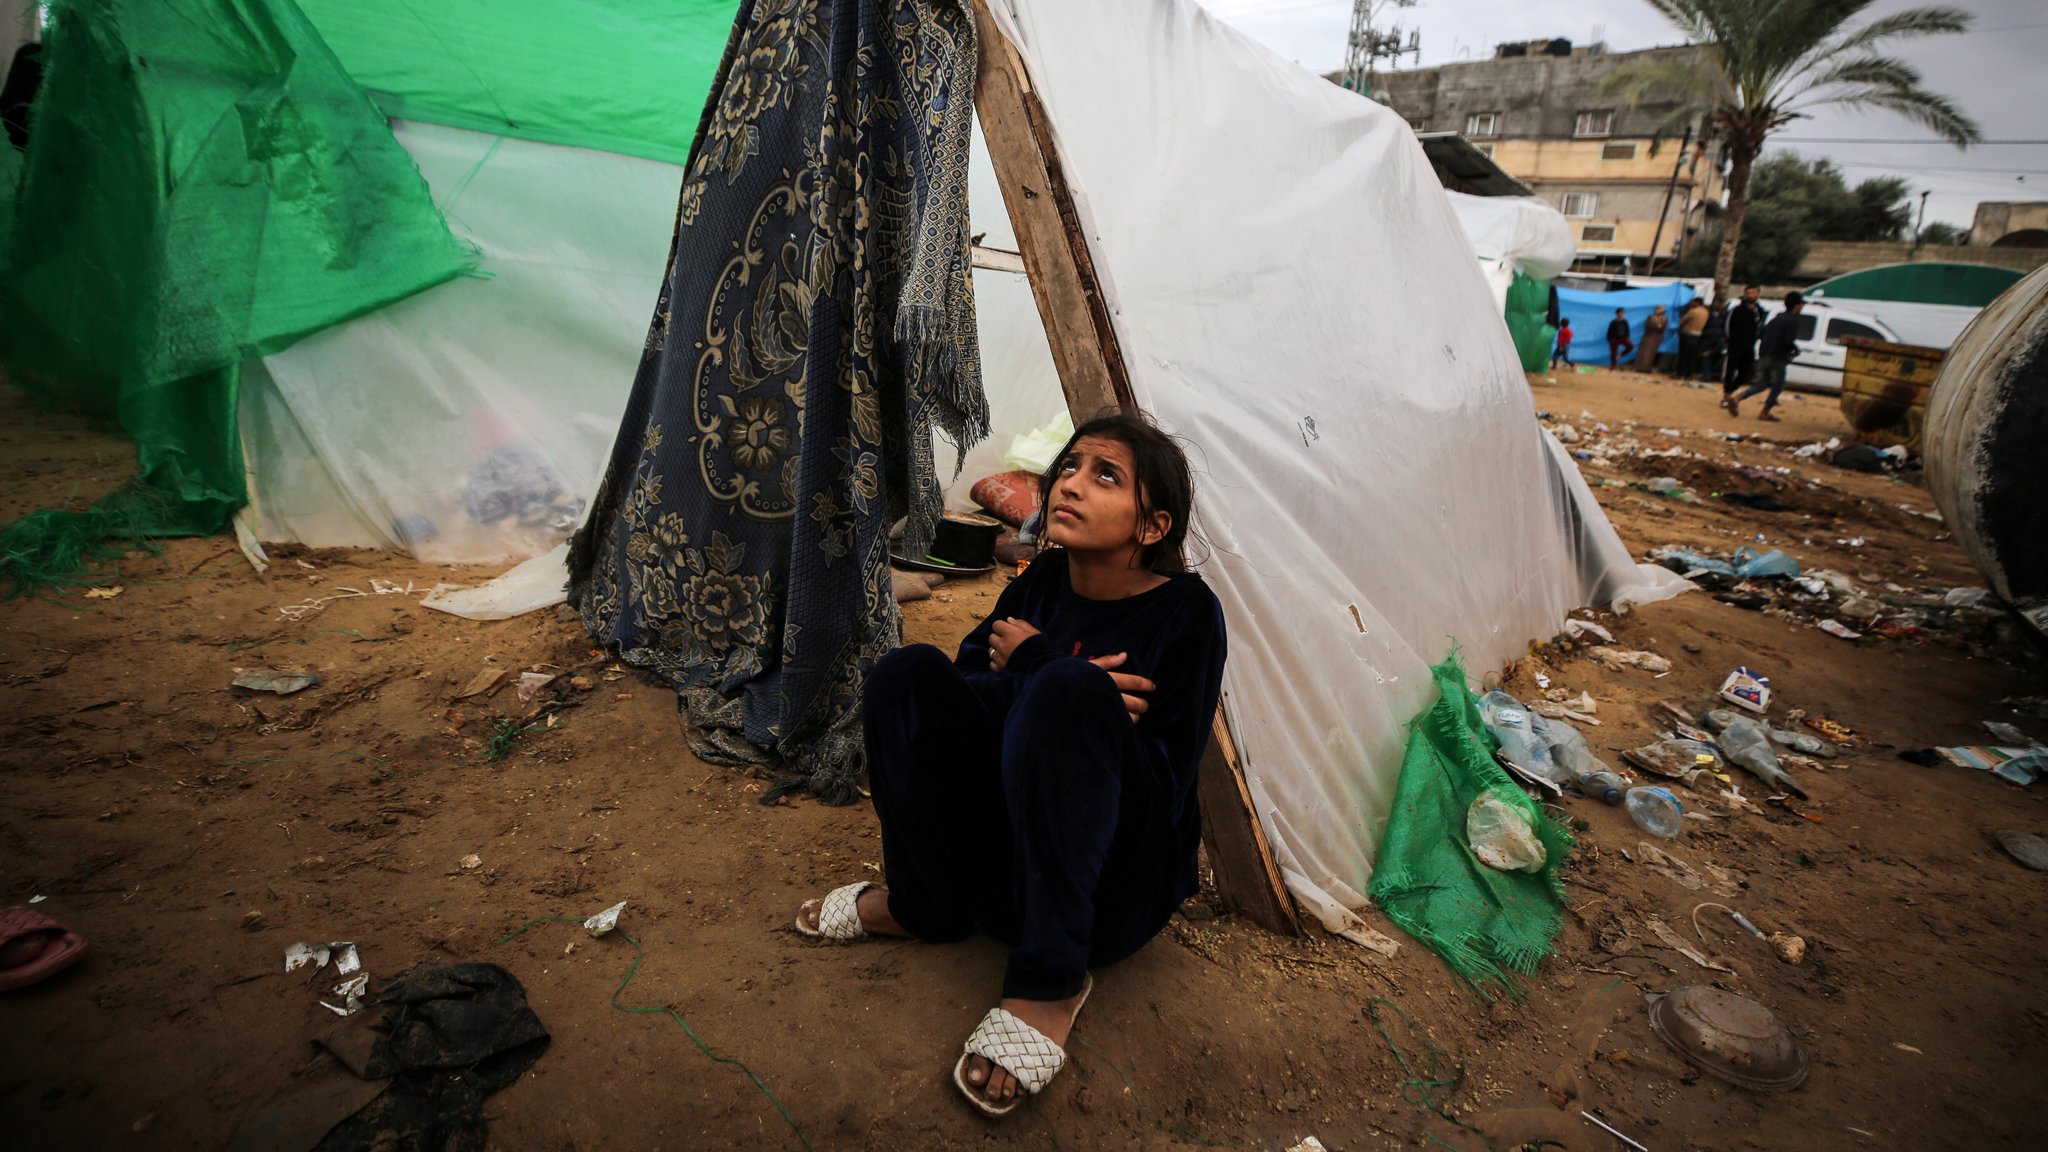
(1885, 388)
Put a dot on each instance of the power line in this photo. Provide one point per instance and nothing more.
(1941, 168)
(1886, 140)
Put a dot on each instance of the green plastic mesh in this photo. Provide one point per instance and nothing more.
(1487, 925)
(622, 76)
(1528, 316)
(204, 183)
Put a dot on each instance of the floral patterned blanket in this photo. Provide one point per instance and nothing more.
(815, 327)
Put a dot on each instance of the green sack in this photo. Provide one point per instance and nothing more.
(1486, 924)
(203, 184)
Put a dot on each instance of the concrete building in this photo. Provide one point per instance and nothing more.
(1537, 110)
(2009, 224)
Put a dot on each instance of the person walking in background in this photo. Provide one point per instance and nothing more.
(1714, 340)
(1692, 322)
(1776, 349)
(1745, 323)
(1563, 349)
(1654, 327)
(1617, 338)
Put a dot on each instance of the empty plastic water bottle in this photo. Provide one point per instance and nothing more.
(1744, 744)
(1656, 811)
(1520, 745)
(1588, 773)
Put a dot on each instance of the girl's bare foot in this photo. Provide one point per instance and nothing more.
(873, 907)
(1054, 1018)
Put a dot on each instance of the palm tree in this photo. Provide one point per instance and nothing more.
(1766, 63)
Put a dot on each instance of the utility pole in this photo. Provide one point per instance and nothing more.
(1367, 45)
(1684, 146)
(1917, 222)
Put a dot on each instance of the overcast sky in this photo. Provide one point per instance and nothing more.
(1998, 72)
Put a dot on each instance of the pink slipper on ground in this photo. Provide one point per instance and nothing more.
(60, 950)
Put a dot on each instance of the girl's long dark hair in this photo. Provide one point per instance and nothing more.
(1165, 482)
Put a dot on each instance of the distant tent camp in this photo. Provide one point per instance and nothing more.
(1286, 281)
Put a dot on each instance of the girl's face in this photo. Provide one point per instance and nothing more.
(1094, 505)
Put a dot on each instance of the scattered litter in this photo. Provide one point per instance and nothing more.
(1676, 943)
(1668, 866)
(530, 684)
(346, 962)
(1604, 1126)
(1966, 597)
(1907, 1048)
(1616, 659)
(1801, 742)
(37, 899)
(1584, 703)
(2022, 766)
(1841, 734)
(1656, 811)
(1838, 629)
(2002, 731)
(606, 920)
(273, 680)
(484, 683)
(1309, 1144)
(1359, 932)
(1747, 689)
(472, 862)
(1542, 680)
(1560, 712)
(1791, 949)
(1580, 629)
(1675, 759)
(1501, 837)
(1745, 745)
(106, 593)
(305, 608)
(2025, 847)
(1729, 1036)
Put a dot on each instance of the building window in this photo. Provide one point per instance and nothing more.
(1599, 123)
(1581, 204)
(1483, 124)
(1597, 234)
(1617, 151)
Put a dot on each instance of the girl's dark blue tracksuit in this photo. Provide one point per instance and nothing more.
(1024, 802)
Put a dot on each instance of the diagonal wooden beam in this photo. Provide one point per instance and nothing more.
(1085, 352)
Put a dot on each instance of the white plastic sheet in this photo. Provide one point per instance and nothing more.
(1294, 295)
(482, 395)
(1532, 237)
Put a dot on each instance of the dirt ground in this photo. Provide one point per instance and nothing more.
(192, 831)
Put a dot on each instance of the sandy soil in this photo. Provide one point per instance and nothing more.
(191, 831)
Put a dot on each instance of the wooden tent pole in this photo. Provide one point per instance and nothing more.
(1061, 271)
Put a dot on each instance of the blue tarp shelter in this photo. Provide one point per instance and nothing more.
(1590, 313)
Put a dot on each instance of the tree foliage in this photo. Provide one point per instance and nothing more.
(1793, 201)
(1944, 234)
(1765, 63)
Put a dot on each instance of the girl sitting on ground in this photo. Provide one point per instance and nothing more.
(1040, 785)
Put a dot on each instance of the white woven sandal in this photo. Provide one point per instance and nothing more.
(1017, 1048)
(838, 914)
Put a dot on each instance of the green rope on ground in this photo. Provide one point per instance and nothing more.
(640, 955)
(1420, 1088)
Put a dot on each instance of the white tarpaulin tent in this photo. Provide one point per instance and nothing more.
(1292, 292)
(1513, 234)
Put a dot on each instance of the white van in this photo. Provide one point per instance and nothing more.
(1821, 329)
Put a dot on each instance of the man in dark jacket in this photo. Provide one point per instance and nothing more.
(1618, 343)
(1776, 349)
(1745, 322)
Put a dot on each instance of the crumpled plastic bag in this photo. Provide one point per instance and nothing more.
(1501, 837)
